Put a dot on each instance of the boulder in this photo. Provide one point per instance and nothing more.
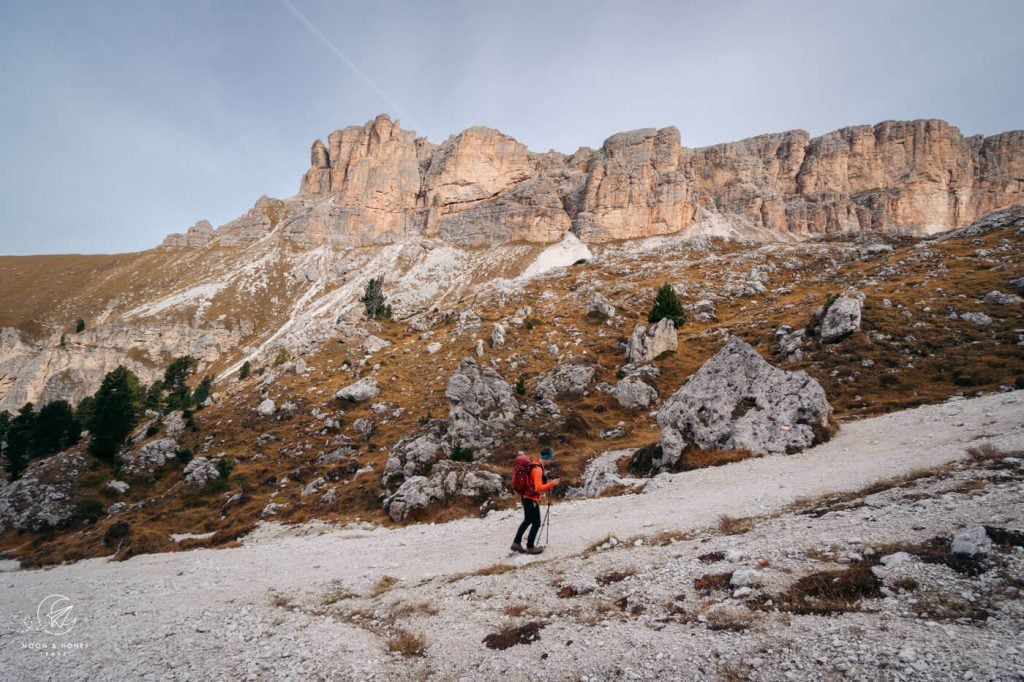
(497, 335)
(447, 479)
(980, 319)
(200, 471)
(746, 577)
(790, 342)
(373, 344)
(1000, 298)
(433, 348)
(364, 426)
(41, 498)
(703, 310)
(736, 400)
(118, 487)
(148, 458)
(971, 542)
(842, 317)
(479, 348)
(564, 380)
(634, 393)
(481, 406)
(365, 389)
(415, 455)
(649, 341)
(602, 474)
(599, 305)
(267, 408)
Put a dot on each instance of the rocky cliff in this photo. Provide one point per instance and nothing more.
(380, 184)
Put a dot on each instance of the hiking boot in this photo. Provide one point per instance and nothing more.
(516, 547)
(534, 550)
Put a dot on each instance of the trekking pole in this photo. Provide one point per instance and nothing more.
(547, 523)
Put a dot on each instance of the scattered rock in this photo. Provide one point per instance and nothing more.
(634, 393)
(365, 389)
(649, 341)
(599, 305)
(266, 408)
(148, 458)
(842, 317)
(373, 344)
(1000, 298)
(564, 380)
(971, 542)
(433, 347)
(200, 471)
(118, 487)
(497, 335)
(980, 319)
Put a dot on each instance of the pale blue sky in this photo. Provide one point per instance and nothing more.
(125, 120)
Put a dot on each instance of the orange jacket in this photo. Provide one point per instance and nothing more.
(539, 486)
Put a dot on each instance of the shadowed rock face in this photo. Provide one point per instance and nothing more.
(738, 401)
(379, 184)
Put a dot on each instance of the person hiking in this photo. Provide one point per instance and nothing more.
(528, 480)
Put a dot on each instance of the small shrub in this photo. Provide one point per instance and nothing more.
(712, 581)
(521, 385)
(711, 557)
(621, 374)
(988, 452)
(89, 510)
(79, 326)
(407, 644)
(385, 583)
(183, 455)
(906, 584)
(829, 592)
(531, 323)
(282, 357)
(731, 620)
(511, 636)
(246, 369)
(225, 465)
(154, 428)
(117, 532)
(461, 454)
(732, 525)
(615, 576)
(830, 298)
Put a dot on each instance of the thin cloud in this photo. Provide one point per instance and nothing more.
(370, 83)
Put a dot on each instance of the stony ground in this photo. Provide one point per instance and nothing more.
(614, 597)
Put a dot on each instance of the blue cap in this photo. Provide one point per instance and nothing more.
(547, 454)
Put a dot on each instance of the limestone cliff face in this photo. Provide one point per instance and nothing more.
(377, 184)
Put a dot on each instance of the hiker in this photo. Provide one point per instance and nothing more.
(528, 480)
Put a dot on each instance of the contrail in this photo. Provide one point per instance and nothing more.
(348, 62)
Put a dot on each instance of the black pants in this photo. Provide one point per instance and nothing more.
(531, 520)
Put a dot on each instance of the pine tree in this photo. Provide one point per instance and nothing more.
(177, 373)
(55, 428)
(374, 299)
(667, 305)
(116, 409)
(243, 373)
(202, 392)
(20, 442)
(79, 326)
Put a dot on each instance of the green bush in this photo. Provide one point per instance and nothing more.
(184, 455)
(521, 385)
(282, 357)
(461, 454)
(243, 373)
(79, 326)
(667, 305)
(225, 465)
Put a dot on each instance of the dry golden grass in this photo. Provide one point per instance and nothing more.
(988, 453)
(494, 569)
(384, 584)
(940, 368)
(513, 635)
(732, 525)
(407, 644)
(700, 459)
(712, 581)
(829, 592)
(615, 576)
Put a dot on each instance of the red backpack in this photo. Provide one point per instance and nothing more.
(522, 481)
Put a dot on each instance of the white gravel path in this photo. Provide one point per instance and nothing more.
(208, 613)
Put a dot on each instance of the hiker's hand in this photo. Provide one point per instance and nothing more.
(556, 482)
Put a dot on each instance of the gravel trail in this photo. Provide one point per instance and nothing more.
(209, 613)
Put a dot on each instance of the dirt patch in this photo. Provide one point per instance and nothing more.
(513, 635)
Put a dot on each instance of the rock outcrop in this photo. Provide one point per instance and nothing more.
(737, 401)
(200, 471)
(415, 455)
(447, 479)
(481, 406)
(564, 380)
(635, 393)
(483, 187)
(649, 341)
(147, 459)
(42, 497)
(842, 317)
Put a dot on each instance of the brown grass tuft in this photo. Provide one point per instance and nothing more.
(385, 583)
(829, 592)
(615, 576)
(513, 635)
(406, 643)
(712, 581)
(988, 453)
(700, 459)
(733, 525)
